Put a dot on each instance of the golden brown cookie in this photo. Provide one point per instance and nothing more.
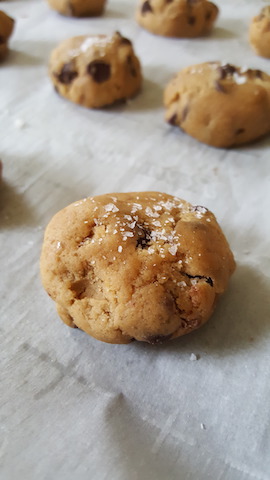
(259, 33)
(177, 18)
(6, 29)
(96, 71)
(145, 266)
(219, 104)
(78, 8)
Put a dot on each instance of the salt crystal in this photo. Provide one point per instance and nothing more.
(173, 249)
(120, 248)
(181, 284)
(110, 207)
(58, 245)
(156, 223)
(193, 357)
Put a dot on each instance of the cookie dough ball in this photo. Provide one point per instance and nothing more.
(177, 18)
(219, 104)
(96, 71)
(259, 33)
(144, 266)
(6, 29)
(78, 8)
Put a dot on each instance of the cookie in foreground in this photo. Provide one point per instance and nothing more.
(78, 8)
(6, 29)
(135, 266)
(177, 18)
(219, 104)
(259, 33)
(96, 71)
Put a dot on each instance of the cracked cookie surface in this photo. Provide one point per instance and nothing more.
(259, 33)
(6, 29)
(96, 71)
(177, 18)
(78, 8)
(144, 266)
(219, 104)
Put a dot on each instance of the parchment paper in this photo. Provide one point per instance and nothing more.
(73, 407)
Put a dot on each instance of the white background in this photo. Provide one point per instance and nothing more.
(73, 407)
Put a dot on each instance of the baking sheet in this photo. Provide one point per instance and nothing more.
(73, 407)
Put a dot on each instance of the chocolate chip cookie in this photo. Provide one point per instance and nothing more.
(96, 71)
(6, 29)
(78, 8)
(135, 266)
(219, 104)
(259, 33)
(177, 18)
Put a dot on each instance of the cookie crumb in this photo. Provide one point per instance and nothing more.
(19, 123)
(193, 357)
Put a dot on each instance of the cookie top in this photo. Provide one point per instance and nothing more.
(78, 8)
(145, 266)
(219, 104)
(259, 33)
(95, 71)
(177, 18)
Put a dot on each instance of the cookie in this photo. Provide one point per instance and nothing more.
(96, 71)
(219, 104)
(259, 33)
(177, 18)
(145, 266)
(78, 8)
(6, 29)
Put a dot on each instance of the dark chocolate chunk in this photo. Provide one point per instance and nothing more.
(173, 120)
(226, 70)
(99, 71)
(67, 74)
(144, 237)
(132, 69)
(158, 339)
(219, 87)
(239, 131)
(146, 7)
(191, 20)
(200, 277)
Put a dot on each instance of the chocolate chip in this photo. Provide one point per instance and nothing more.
(144, 238)
(201, 277)
(173, 120)
(226, 70)
(219, 87)
(131, 67)
(99, 71)
(67, 74)
(258, 73)
(146, 7)
(239, 131)
(158, 339)
(191, 20)
(184, 113)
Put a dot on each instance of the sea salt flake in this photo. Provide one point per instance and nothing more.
(110, 207)
(132, 225)
(151, 250)
(157, 207)
(173, 249)
(156, 223)
(193, 357)
(120, 248)
(58, 245)
(149, 212)
(239, 79)
(181, 284)
(128, 234)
